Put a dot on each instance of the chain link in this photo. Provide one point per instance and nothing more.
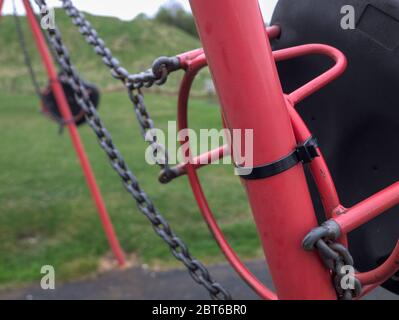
(335, 257)
(196, 269)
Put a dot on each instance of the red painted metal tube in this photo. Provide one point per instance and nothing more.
(272, 32)
(202, 160)
(186, 57)
(190, 168)
(370, 287)
(74, 134)
(369, 209)
(319, 170)
(1, 7)
(318, 166)
(322, 80)
(386, 197)
(384, 271)
(242, 65)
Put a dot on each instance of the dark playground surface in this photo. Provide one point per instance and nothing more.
(142, 284)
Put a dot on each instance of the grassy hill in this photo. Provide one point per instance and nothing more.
(135, 43)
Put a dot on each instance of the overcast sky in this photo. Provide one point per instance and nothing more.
(128, 9)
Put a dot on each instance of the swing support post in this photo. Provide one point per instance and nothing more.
(73, 132)
(249, 90)
(1, 7)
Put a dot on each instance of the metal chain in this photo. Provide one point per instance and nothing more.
(158, 75)
(335, 257)
(161, 227)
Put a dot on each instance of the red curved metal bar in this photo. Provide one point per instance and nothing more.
(353, 218)
(319, 168)
(273, 31)
(203, 160)
(1, 7)
(322, 80)
(383, 272)
(348, 219)
(361, 214)
(231, 256)
(369, 209)
(364, 211)
(193, 62)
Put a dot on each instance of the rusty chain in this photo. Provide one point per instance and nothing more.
(161, 227)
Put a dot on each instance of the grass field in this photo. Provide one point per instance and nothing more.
(48, 217)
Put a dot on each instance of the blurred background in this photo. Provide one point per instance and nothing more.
(47, 216)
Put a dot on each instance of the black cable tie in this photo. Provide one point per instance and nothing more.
(304, 153)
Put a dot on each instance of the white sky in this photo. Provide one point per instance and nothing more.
(128, 9)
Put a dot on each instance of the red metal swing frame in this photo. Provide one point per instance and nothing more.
(67, 116)
(239, 55)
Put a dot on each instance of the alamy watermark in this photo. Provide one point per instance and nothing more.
(348, 20)
(348, 280)
(185, 144)
(47, 282)
(48, 18)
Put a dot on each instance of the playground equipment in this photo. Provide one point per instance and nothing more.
(59, 103)
(251, 96)
(355, 119)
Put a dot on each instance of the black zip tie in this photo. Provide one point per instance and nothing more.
(304, 153)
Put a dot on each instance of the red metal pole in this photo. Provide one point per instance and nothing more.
(199, 195)
(74, 134)
(242, 65)
(1, 7)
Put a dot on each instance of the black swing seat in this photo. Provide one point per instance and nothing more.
(356, 118)
(50, 106)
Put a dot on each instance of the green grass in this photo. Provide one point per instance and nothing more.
(47, 215)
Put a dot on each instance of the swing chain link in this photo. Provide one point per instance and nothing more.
(157, 75)
(161, 227)
(336, 257)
